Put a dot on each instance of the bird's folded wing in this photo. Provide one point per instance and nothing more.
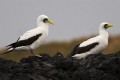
(84, 49)
(25, 42)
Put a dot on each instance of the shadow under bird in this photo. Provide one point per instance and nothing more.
(33, 38)
(93, 45)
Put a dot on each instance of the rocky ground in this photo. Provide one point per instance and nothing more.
(93, 67)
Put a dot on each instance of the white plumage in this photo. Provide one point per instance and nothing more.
(95, 44)
(32, 38)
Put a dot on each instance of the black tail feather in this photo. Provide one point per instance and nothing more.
(73, 51)
(7, 50)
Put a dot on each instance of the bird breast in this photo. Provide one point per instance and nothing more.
(40, 40)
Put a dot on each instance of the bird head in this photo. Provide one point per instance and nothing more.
(43, 19)
(105, 25)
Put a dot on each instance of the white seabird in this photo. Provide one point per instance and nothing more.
(94, 45)
(33, 38)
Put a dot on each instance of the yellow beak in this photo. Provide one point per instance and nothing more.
(50, 21)
(110, 25)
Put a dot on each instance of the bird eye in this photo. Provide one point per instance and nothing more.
(106, 26)
(45, 20)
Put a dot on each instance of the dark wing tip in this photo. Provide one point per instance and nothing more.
(74, 50)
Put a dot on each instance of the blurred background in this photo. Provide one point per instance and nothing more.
(75, 21)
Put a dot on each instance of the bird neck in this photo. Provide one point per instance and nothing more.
(103, 33)
(42, 25)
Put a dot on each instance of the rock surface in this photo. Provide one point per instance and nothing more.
(93, 67)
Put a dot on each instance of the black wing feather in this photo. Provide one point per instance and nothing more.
(25, 42)
(78, 50)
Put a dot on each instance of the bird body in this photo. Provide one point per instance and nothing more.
(33, 38)
(93, 45)
(39, 30)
